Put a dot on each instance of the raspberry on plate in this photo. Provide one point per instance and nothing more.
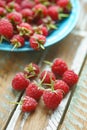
(37, 41)
(17, 41)
(34, 90)
(25, 29)
(60, 84)
(6, 28)
(52, 98)
(15, 17)
(29, 104)
(70, 77)
(19, 82)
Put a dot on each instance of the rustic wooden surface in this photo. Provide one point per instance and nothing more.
(74, 114)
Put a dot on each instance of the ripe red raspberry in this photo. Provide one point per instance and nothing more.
(11, 6)
(53, 12)
(48, 76)
(33, 90)
(19, 82)
(31, 70)
(62, 3)
(47, 22)
(27, 14)
(70, 77)
(27, 4)
(17, 41)
(60, 84)
(41, 30)
(2, 3)
(25, 29)
(37, 41)
(15, 17)
(59, 67)
(6, 28)
(29, 104)
(40, 10)
(2, 12)
(52, 98)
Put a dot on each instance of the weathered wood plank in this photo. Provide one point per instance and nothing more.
(41, 116)
(76, 114)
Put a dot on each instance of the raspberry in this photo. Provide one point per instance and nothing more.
(53, 12)
(27, 14)
(6, 28)
(37, 41)
(27, 4)
(29, 104)
(33, 90)
(2, 12)
(31, 70)
(59, 67)
(15, 17)
(19, 82)
(17, 41)
(70, 77)
(11, 6)
(2, 3)
(25, 29)
(62, 3)
(48, 76)
(60, 84)
(52, 98)
(40, 10)
(41, 30)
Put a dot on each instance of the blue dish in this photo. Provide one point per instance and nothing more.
(63, 30)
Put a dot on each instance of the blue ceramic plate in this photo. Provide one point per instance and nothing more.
(63, 30)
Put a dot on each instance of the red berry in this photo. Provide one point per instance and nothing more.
(2, 12)
(53, 12)
(15, 17)
(6, 28)
(17, 41)
(34, 91)
(31, 70)
(2, 3)
(27, 4)
(48, 76)
(41, 30)
(37, 41)
(40, 10)
(52, 99)
(29, 104)
(62, 3)
(11, 6)
(25, 29)
(59, 67)
(70, 77)
(19, 82)
(60, 84)
(27, 14)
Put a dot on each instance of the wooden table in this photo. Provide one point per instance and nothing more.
(72, 112)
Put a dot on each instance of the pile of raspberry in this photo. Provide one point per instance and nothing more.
(50, 85)
(31, 20)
